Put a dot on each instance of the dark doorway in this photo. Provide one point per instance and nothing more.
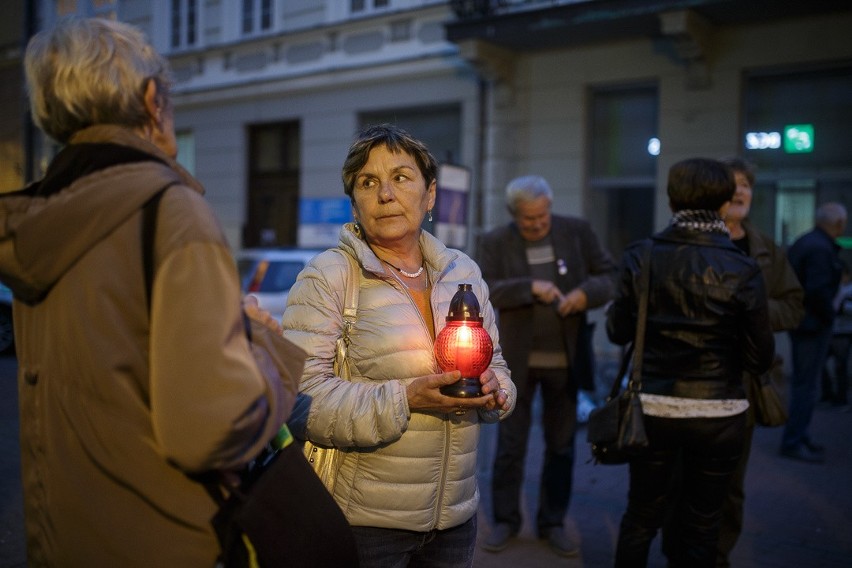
(273, 185)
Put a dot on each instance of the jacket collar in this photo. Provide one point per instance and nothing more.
(436, 255)
(700, 238)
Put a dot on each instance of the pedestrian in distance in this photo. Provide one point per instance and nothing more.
(545, 272)
(815, 259)
(835, 374)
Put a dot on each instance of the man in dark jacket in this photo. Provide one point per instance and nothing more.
(543, 272)
(814, 258)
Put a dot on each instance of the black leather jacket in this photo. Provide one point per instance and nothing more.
(708, 320)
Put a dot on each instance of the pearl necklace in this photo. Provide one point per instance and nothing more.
(398, 269)
(404, 273)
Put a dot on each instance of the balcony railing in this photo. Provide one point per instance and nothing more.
(474, 9)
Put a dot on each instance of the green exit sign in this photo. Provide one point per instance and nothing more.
(799, 138)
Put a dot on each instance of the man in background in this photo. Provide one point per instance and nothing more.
(544, 272)
(814, 258)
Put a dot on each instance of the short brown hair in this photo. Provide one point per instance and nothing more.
(700, 183)
(396, 140)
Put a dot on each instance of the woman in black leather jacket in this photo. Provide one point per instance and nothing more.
(707, 323)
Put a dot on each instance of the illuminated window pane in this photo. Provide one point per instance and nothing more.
(186, 150)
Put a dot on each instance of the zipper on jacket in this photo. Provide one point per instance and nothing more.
(443, 483)
(447, 426)
(400, 285)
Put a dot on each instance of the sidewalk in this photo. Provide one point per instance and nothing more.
(797, 515)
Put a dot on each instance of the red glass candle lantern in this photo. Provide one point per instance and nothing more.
(464, 345)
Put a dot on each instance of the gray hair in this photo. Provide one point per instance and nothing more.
(526, 188)
(830, 214)
(92, 71)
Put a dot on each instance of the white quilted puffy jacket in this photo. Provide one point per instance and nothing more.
(401, 469)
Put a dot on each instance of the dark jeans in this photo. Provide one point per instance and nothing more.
(394, 548)
(732, 509)
(809, 352)
(731, 525)
(707, 450)
(559, 421)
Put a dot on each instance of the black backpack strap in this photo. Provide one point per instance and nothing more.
(149, 232)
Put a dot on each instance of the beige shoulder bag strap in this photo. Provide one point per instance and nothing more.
(326, 460)
(351, 292)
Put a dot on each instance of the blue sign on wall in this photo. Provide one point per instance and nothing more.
(333, 210)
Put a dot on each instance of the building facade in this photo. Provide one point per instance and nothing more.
(599, 96)
(269, 94)
(13, 110)
(603, 97)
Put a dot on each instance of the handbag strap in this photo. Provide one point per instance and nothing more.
(635, 382)
(351, 293)
(622, 370)
(635, 349)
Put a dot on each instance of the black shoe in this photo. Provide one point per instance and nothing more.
(803, 453)
(559, 542)
(498, 540)
(814, 447)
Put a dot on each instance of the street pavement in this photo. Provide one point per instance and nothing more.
(797, 515)
(12, 552)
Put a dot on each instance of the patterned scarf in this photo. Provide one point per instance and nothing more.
(703, 220)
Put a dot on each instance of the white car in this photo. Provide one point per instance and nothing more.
(268, 274)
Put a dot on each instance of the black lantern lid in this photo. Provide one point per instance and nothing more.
(464, 306)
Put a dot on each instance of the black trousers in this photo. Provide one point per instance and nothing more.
(559, 422)
(708, 451)
(731, 525)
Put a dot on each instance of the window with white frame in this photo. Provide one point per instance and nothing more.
(257, 16)
(184, 23)
(367, 6)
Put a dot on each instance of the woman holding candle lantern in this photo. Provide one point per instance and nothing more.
(407, 482)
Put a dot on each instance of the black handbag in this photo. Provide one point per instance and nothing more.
(282, 515)
(765, 399)
(616, 430)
